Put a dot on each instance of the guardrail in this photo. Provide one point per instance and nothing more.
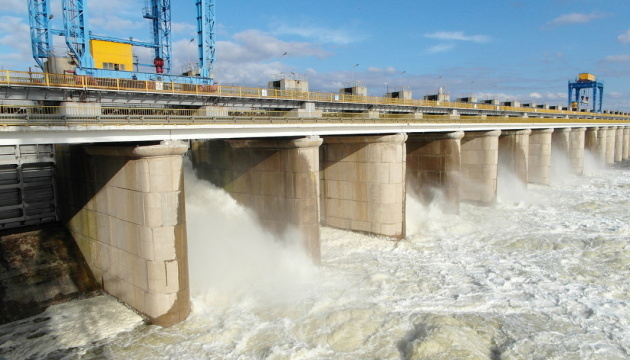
(64, 116)
(86, 82)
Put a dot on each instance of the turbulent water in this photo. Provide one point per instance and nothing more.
(545, 274)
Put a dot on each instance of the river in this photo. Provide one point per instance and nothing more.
(544, 274)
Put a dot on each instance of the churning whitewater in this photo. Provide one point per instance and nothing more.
(541, 275)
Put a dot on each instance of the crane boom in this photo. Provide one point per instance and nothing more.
(206, 36)
(159, 11)
(76, 32)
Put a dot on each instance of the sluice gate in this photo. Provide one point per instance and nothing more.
(27, 185)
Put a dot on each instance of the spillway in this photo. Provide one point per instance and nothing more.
(542, 275)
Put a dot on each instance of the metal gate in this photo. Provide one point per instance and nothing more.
(27, 185)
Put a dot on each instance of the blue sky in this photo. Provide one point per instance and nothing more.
(507, 49)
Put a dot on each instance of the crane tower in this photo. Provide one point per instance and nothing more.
(107, 57)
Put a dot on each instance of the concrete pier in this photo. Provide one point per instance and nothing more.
(433, 166)
(611, 133)
(276, 178)
(363, 184)
(540, 156)
(619, 144)
(514, 153)
(576, 150)
(124, 205)
(626, 143)
(480, 151)
(602, 139)
(591, 138)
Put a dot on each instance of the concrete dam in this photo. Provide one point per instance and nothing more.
(115, 178)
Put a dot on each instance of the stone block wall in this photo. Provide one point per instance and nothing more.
(125, 207)
(576, 149)
(539, 166)
(363, 184)
(480, 151)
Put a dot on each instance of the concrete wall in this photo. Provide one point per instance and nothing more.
(434, 164)
(124, 205)
(540, 156)
(277, 178)
(363, 184)
(514, 153)
(619, 144)
(560, 142)
(591, 139)
(626, 143)
(602, 139)
(480, 152)
(611, 133)
(576, 149)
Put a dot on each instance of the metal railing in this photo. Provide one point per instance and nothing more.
(11, 115)
(85, 82)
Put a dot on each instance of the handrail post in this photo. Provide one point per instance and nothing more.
(118, 84)
(47, 80)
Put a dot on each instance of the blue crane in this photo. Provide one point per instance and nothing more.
(78, 37)
(586, 90)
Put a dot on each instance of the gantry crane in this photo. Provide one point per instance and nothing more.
(581, 95)
(81, 42)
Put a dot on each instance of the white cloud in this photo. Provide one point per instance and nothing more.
(249, 57)
(458, 36)
(15, 43)
(116, 23)
(16, 6)
(184, 28)
(616, 58)
(388, 70)
(576, 18)
(255, 45)
(625, 37)
(440, 48)
(319, 34)
(535, 95)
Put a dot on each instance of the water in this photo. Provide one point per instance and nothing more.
(546, 277)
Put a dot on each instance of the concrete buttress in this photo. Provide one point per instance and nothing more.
(480, 151)
(125, 207)
(363, 184)
(591, 139)
(433, 166)
(619, 144)
(539, 162)
(626, 143)
(576, 149)
(514, 153)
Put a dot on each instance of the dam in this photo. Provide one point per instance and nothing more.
(114, 175)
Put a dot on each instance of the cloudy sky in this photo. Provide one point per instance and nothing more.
(506, 49)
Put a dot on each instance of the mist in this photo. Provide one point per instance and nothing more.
(229, 250)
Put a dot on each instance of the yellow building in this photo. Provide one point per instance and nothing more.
(111, 55)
